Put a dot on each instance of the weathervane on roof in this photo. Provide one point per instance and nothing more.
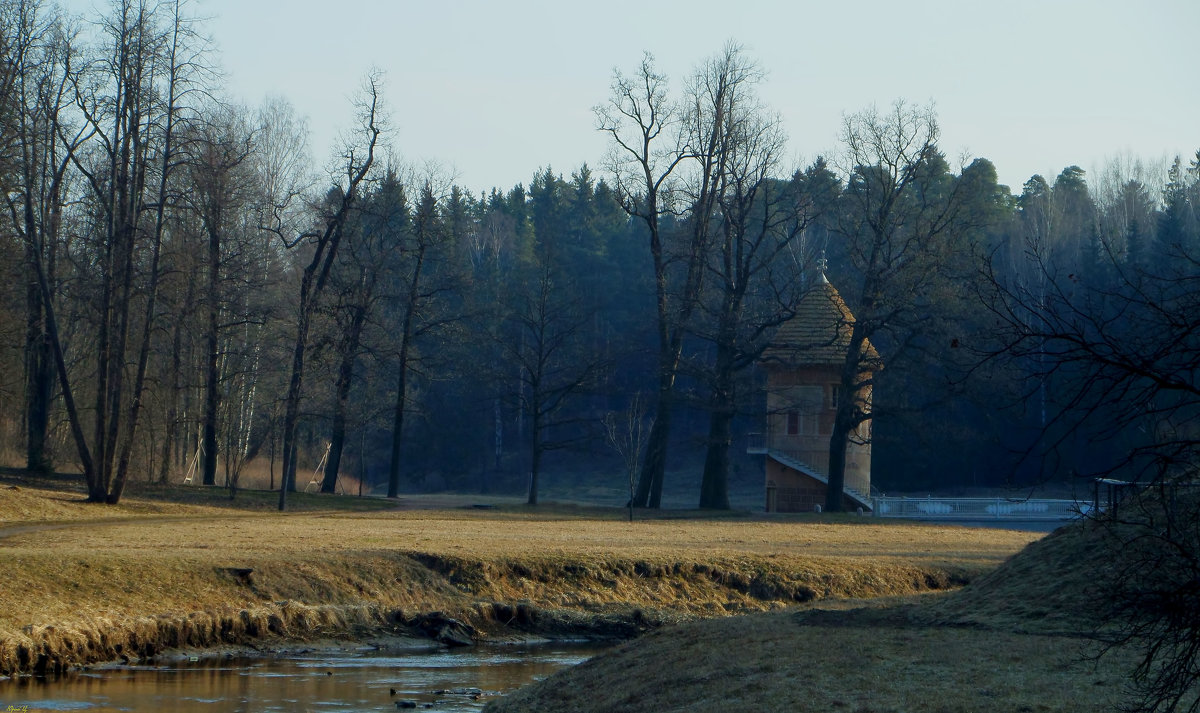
(822, 266)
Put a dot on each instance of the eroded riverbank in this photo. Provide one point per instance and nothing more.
(129, 588)
(321, 678)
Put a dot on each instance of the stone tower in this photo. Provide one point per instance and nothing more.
(804, 372)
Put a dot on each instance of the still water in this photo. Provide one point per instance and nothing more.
(343, 680)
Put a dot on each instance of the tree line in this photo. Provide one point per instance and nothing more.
(184, 290)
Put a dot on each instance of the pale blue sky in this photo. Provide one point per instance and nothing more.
(495, 90)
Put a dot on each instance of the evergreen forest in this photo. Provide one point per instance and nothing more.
(185, 293)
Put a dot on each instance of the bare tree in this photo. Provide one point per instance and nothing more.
(183, 70)
(626, 433)
(756, 217)
(647, 147)
(1118, 358)
(219, 192)
(898, 215)
(370, 258)
(667, 160)
(123, 106)
(37, 59)
(323, 242)
(427, 278)
(543, 340)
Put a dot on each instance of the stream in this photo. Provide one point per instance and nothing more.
(320, 680)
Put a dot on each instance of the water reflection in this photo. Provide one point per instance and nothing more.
(318, 681)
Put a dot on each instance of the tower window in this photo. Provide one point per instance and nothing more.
(800, 423)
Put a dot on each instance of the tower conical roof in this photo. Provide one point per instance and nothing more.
(818, 334)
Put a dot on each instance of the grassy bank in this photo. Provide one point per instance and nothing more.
(185, 569)
(859, 661)
(1020, 638)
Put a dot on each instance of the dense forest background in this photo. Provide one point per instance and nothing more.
(184, 291)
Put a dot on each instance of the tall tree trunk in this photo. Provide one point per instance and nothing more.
(98, 488)
(406, 334)
(671, 329)
(39, 381)
(649, 490)
(846, 419)
(714, 488)
(337, 441)
(212, 376)
(650, 481)
(837, 461)
(271, 464)
(535, 455)
(139, 384)
(86, 460)
(128, 205)
(118, 356)
(176, 436)
(310, 287)
(311, 284)
(291, 415)
(171, 437)
(345, 378)
(398, 422)
(654, 466)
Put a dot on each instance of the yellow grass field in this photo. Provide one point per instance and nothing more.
(835, 613)
(185, 568)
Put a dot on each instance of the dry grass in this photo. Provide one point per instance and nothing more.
(865, 661)
(1053, 587)
(497, 534)
(27, 504)
(58, 499)
(1018, 638)
(144, 565)
(257, 474)
(78, 587)
(89, 583)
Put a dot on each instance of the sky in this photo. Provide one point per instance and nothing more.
(492, 92)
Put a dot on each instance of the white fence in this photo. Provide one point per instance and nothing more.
(978, 508)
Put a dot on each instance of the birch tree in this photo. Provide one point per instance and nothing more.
(219, 195)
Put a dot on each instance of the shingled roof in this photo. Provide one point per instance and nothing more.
(819, 332)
